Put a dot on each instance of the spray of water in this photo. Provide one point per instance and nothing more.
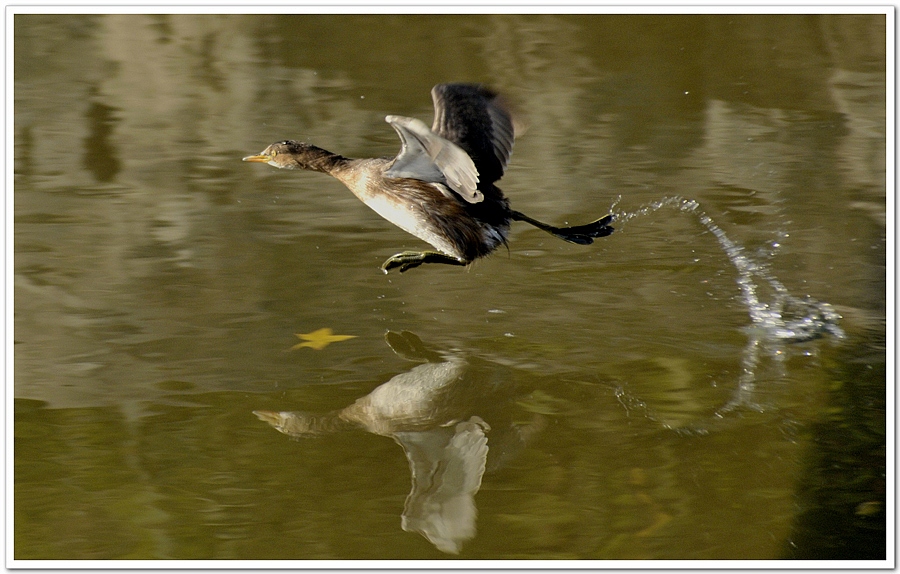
(783, 319)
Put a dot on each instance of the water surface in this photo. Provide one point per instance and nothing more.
(634, 399)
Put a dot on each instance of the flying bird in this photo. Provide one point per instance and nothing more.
(441, 186)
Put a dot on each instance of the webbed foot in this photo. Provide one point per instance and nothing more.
(585, 234)
(407, 260)
(580, 234)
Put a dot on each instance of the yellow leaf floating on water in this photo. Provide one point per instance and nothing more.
(320, 339)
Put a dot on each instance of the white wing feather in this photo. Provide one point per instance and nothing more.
(426, 156)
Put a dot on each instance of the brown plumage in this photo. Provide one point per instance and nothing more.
(440, 187)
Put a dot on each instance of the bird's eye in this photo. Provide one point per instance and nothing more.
(274, 153)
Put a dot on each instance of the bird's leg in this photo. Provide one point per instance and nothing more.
(580, 234)
(409, 259)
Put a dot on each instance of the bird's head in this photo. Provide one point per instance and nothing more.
(289, 154)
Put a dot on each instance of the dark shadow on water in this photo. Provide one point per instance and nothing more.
(842, 494)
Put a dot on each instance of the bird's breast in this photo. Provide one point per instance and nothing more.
(426, 210)
(410, 218)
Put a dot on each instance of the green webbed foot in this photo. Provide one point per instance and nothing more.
(410, 259)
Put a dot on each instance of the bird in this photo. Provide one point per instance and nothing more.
(440, 187)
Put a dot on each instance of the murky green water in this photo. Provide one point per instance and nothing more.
(617, 401)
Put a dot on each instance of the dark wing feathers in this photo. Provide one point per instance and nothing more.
(474, 118)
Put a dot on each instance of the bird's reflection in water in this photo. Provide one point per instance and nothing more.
(432, 412)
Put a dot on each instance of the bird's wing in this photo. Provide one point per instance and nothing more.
(426, 156)
(477, 120)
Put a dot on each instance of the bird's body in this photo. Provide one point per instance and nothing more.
(440, 187)
(427, 210)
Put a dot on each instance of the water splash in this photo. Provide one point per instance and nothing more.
(782, 319)
(786, 317)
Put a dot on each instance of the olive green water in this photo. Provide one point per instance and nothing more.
(617, 401)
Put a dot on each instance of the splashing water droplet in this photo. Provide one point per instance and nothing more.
(783, 319)
(786, 317)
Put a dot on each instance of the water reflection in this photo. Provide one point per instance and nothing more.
(100, 154)
(431, 412)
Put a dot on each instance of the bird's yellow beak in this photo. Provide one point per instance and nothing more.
(262, 158)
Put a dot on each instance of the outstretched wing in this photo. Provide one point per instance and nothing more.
(426, 156)
(476, 119)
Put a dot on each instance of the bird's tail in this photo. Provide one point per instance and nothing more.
(580, 234)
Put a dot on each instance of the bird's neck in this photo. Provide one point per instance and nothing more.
(324, 161)
(364, 177)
